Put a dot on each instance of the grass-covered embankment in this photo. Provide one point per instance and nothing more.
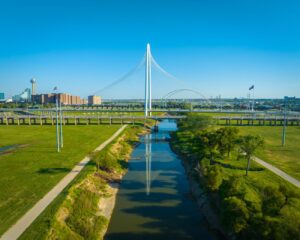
(83, 210)
(258, 206)
(32, 166)
(286, 158)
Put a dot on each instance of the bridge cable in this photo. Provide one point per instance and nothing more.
(121, 79)
(167, 74)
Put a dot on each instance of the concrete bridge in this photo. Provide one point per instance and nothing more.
(258, 121)
(100, 119)
(76, 120)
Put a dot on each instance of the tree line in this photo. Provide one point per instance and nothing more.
(221, 161)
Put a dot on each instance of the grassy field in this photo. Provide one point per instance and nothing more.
(286, 158)
(32, 166)
(49, 225)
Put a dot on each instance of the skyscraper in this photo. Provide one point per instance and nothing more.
(33, 86)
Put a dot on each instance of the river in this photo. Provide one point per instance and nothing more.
(154, 201)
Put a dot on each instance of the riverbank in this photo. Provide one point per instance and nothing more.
(201, 195)
(84, 209)
(257, 205)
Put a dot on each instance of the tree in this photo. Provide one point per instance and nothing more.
(194, 122)
(249, 145)
(272, 200)
(227, 137)
(235, 214)
(208, 143)
(214, 177)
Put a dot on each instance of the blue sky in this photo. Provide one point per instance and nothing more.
(216, 47)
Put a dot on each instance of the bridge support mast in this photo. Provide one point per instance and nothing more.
(148, 82)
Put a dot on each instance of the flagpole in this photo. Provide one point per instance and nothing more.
(251, 88)
(252, 99)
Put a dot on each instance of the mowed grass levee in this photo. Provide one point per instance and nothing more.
(286, 158)
(32, 166)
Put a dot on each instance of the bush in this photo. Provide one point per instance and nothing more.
(105, 161)
(214, 177)
(272, 200)
(83, 219)
(234, 186)
(235, 214)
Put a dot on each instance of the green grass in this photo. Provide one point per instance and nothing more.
(286, 158)
(40, 228)
(29, 171)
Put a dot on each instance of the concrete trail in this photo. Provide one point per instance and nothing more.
(24, 222)
(278, 172)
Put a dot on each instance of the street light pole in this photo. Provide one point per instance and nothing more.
(284, 125)
(61, 130)
(57, 134)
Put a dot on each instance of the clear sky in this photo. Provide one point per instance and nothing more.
(216, 47)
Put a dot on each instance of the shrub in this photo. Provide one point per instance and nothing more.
(214, 177)
(272, 200)
(234, 186)
(235, 214)
(105, 161)
(83, 219)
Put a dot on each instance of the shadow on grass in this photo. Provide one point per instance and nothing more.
(226, 165)
(53, 170)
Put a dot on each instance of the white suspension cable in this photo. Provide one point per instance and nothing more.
(158, 67)
(121, 79)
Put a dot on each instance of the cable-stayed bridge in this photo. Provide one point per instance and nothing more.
(148, 62)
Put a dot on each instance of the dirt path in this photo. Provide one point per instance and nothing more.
(278, 172)
(24, 222)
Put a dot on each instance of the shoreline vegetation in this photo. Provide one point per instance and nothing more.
(84, 209)
(258, 206)
(32, 166)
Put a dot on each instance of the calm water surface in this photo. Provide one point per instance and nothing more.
(153, 200)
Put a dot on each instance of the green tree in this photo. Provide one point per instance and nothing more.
(272, 200)
(214, 177)
(233, 186)
(249, 145)
(235, 214)
(227, 137)
(194, 122)
(207, 142)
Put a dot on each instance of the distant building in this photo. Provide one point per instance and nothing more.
(2, 96)
(33, 86)
(94, 100)
(63, 98)
(25, 96)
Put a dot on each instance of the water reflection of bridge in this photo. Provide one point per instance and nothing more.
(148, 156)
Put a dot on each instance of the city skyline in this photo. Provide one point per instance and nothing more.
(215, 47)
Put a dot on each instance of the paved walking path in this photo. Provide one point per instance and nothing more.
(24, 222)
(278, 172)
